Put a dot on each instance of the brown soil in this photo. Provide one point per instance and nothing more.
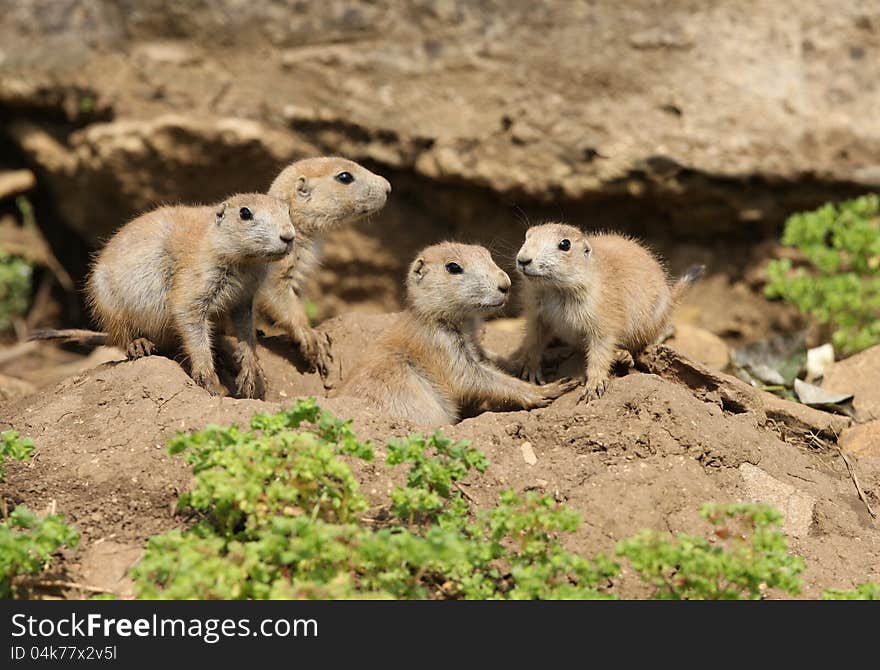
(646, 455)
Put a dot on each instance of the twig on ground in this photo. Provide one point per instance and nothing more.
(465, 493)
(855, 480)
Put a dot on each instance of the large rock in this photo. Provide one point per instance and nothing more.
(858, 375)
(862, 441)
(728, 392)
(638, 92)
(700, 345)
(796, 506)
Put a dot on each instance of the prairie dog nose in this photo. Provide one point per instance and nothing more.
(503, 282)
(522, 261)
(287, 235)
(386, 185)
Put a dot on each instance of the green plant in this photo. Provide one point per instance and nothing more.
(747, 555)
(26, 209)
(281, 516)
(311, 309)
(12, 445)
(522, 533)
(841, 285)
(246, 478)
(27, 542)
(866, 591)
(86, 104)
(431, 477)
(15, 288)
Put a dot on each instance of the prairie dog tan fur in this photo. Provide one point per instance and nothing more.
(429, 363)
(167, 278)
(599, 293)
(322, 193)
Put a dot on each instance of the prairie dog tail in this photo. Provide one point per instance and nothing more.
(693, 274)
(90, 337)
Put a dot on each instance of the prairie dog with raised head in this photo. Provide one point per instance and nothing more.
(429, 363)
(166, 279)
(322, 193)
(600, 293)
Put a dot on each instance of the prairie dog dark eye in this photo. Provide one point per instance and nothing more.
(344, 177)
(454, 268)
(245, 214)
(565, 245)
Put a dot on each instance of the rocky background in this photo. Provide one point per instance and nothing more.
(696, 125)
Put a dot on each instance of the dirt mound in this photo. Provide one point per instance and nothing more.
(645, 455)
(101, 440)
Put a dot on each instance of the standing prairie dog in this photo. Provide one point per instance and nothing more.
(322, 193)
(600, 293)
(166, 279)
(429, 363)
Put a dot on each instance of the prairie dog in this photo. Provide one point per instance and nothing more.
(600, 293)
(167, 278)
(322, 193)
(429, 363)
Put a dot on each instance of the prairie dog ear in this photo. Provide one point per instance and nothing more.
(418, 269)
(588, 250)
(303, 188)
(221, 210)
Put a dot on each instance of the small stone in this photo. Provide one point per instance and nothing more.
(796, 506)
(700, 345)
(106, 565)
(818, 360)
(513, 429)
(528, 453)
(524, 133)
(167, 53)
(858, 375)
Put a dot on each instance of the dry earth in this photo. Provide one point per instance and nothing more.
(663, 440)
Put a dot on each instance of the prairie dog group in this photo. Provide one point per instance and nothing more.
(430, 363)
(166, 280)
(322, 194)
(601, 293)
(170, 278)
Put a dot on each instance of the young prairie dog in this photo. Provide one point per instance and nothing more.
(600, 293)
(166, 279)
(322, 193)
(429, 364)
